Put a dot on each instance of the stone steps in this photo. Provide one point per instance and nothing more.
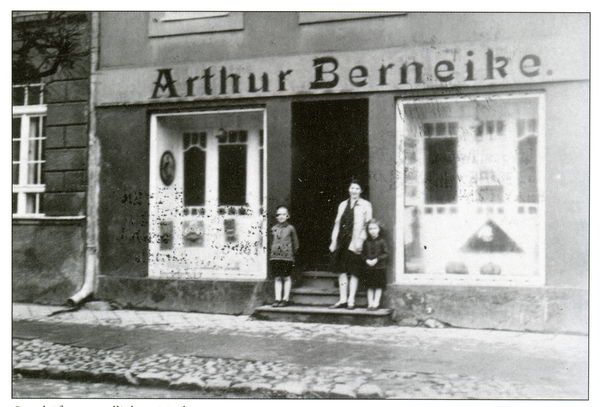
(310, 302)
(324, 297)
(320, 279)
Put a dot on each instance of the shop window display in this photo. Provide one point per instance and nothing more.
(471, 189)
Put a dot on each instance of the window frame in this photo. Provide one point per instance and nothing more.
(165, 24)
(26, 112)
(402, 277)
(306, 17)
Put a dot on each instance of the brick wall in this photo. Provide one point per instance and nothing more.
(66, 148)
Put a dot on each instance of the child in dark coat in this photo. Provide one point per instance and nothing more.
(284, 247)
(375, 255)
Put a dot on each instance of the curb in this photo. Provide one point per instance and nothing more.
(286, 390)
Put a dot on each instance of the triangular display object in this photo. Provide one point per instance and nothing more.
(490, 238)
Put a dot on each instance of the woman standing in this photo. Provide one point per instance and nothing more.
(347, 238)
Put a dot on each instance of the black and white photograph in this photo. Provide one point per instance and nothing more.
(299, 205)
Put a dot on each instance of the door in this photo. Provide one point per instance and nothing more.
(207, 195)
(330, 147)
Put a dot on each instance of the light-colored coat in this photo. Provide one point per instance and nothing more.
(363, 212)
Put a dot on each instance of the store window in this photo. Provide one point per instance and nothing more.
(472, 189)
(207, 217)
(166, 23)
(28, 150)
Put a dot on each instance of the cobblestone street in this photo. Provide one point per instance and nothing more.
(232, 355)
(28, 388)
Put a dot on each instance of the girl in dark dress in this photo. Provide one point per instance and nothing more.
(375, 255)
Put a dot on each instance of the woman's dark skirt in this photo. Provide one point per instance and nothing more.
(346, 261)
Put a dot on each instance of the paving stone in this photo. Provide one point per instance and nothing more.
(252, 386)
(130, 377)
(188, 382)
(293, 387)
(320, 390)
(218, 384)
(343, 391)
(395, 394)
(350, 382)
(371, 391)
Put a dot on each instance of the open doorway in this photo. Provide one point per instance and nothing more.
(330, 147)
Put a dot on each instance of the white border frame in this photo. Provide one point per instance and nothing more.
(153, 161)
(447, 279)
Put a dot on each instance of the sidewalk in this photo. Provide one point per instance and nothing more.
(282, 359)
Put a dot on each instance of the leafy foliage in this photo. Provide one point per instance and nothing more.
(53, 42)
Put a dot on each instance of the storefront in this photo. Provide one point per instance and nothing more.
(468, 155)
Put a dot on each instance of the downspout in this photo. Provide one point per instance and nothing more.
(93, 170)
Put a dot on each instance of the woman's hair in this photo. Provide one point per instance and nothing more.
(357, 182)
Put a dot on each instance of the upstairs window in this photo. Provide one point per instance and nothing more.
(167, 23)
(327, 17)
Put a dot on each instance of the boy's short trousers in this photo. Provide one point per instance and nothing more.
(281, 268)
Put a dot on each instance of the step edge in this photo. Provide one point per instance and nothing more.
(296, 309)
(308, 291)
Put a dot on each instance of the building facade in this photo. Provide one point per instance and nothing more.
(470, 132)
(50, 126)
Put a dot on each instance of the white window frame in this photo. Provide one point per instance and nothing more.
(306, 17)
(458, 280)
(168, 23)
(23, 187)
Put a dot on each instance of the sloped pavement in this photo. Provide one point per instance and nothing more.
(224, 353)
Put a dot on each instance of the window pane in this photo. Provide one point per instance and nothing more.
(15, 200)
(34, 150)
(41, 208)
(34, 95)
(194, 177)
(30, 208)
(440, 171)
(15, 174)
(528, 191)
(18, 96)
(16, 127)
(33, 173)
(232, 174)
(16, 150)
(16, 135)
(34, 123)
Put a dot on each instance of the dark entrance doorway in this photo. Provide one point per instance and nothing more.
(330, 147)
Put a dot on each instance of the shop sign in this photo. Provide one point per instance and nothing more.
(369, 71)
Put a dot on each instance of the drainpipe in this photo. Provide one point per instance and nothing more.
(93, 192)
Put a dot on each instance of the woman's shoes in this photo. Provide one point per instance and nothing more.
(279, 304)
(339, 305)
(350, 306)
